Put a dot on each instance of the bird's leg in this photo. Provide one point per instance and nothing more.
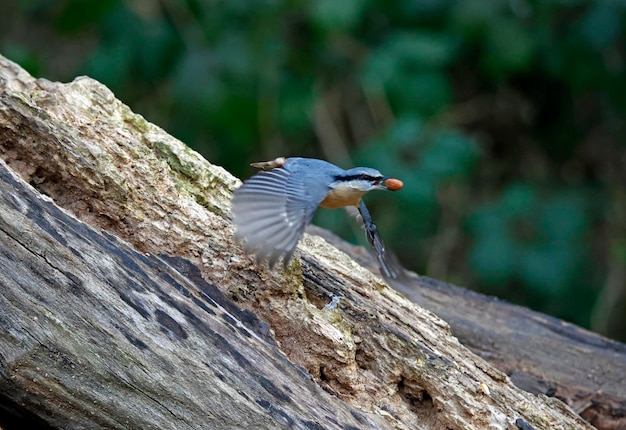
(389, 267)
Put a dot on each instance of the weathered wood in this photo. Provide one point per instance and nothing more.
(395, 361)
(541, 354)
(94, 334)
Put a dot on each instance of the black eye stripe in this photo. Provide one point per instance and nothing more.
(359, 177)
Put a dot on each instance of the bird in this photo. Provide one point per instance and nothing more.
(272, 208)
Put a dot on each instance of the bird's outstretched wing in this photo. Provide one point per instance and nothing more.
(270, 212)
(388, 262)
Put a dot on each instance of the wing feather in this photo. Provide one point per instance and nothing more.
(272, 209)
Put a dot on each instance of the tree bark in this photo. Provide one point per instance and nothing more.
(541, 354)
(102, 329)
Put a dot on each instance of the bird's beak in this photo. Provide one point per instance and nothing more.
(391, 184)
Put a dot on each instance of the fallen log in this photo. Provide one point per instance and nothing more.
(146, 314)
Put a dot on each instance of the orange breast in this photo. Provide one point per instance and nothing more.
(341, 197)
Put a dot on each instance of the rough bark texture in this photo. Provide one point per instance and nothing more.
(95, 333)
(541, 354)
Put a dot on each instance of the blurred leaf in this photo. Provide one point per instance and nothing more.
(337, 15)
(424, 9)
(473, 17)
(158, 50)
(518, 198)
(420, 93)
(493, 254)
(564, 218)
(602, 24)
(26, 58)
(548, 248)
(296, 101)
(379, 68)
(509, 48)
(111, 64)
(451, 155)
(405, 133)
(78, 14)
(407, 64)
(232, 54)
(419, 50)
(547, 269)
(132, 48)
(397, 147)
(196, 80)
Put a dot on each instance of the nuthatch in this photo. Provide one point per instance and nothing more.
(272, 209)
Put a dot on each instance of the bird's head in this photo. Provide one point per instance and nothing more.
(365, 179)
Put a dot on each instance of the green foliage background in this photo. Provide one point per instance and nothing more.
(504, 118)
